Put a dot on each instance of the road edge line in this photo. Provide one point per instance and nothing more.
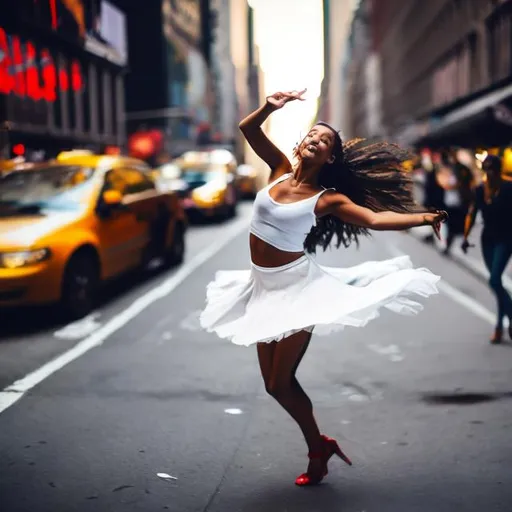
(454, 293)
(15, 391)
(474, 265)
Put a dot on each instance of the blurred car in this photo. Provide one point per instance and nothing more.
(507, 163)
(205, 188)
(69, 225)
(246, 181)
(8, 166)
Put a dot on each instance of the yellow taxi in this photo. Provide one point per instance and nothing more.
(205, 182)
(247, 181)
(70, 224)
(7, 166)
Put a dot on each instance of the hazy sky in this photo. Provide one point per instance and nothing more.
(289, 34)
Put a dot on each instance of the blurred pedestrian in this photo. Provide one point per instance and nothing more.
(453, 178)
(337, 190)
(493, 198)
(433, 194)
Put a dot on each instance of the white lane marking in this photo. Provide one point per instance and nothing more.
(473, 263)
(461, 298)
(465, 300)
(11, 394)
(233, 411)
(80, 328)
(167, 336)
(478, 267)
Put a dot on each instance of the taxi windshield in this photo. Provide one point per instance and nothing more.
(47, 188)
(202, 174)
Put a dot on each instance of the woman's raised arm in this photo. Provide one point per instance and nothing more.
(259, 142)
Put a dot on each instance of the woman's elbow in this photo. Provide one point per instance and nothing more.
(374, 222)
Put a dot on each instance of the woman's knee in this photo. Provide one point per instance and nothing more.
(495, 281)
(278, 388)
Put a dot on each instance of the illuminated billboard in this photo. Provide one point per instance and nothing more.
(97, 25)
(106, 33)
(29, 71)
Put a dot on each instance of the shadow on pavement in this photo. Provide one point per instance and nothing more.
(464, 398)
(305, 499)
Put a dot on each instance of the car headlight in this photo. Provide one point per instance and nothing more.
(207, 194)
(23, 258)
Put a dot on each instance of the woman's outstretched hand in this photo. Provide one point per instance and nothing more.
(435, 220)
(279, 99)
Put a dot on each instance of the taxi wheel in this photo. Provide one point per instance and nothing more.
(176, 252)
(79, 286)
(232, 209)
(234, 206)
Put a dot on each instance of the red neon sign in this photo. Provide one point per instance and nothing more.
(21, 75)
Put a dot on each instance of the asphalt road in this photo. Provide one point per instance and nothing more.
(421, 404)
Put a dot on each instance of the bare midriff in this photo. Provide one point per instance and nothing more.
(266, 255)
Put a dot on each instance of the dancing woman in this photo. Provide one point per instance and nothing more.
(494, 199)
(335, 189)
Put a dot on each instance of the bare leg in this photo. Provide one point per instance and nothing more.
(279, 363)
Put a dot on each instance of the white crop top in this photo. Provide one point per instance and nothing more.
(285, 226)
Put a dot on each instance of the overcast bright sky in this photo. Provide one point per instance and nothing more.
(289, 34)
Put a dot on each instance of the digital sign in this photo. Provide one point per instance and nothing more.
(29, 72)
(67, 17)
(96, 25)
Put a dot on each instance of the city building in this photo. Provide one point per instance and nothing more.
(237, 73)
(169, 84)
(223, 70)
(337, 18)
(61, 77)
(355, 87)
(446, 71)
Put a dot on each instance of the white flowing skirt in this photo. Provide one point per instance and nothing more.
(268, 304)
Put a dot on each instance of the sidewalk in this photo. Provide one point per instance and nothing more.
(473, 260)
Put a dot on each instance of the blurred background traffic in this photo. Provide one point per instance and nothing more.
(119, 118)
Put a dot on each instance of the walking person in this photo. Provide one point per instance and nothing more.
(493, 198)
(433, 194)
(336, 191)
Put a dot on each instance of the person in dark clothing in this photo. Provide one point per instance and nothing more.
(461, 196)
(433, 195)
(494, 200)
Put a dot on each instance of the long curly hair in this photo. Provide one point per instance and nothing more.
(370, 175)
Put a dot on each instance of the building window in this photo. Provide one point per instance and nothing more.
(113, 102)
(77, 86)
(100, 101)
(499, 36)
(85, 98)
(64, 93)
(108, 101)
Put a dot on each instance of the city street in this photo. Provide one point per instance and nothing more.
(92, 412)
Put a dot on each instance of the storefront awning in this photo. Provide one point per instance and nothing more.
(486, 121)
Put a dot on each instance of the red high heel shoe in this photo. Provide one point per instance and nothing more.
(336, 450)
(310, 478)
(330, 447)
